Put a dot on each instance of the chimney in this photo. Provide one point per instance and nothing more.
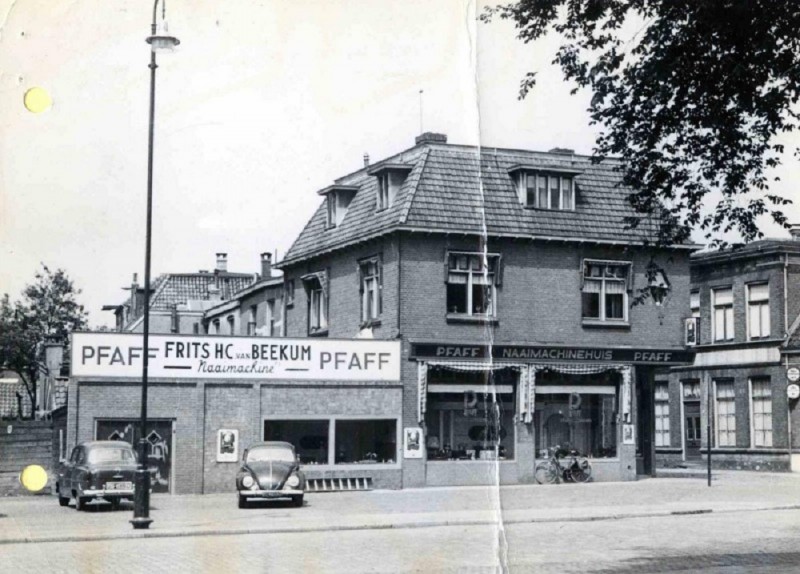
(222, 262)
(214, 293)
(794, 231)
(366, 159)
(430, 137)
(266, 265)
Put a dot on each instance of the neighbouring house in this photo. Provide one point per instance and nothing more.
(745, 310)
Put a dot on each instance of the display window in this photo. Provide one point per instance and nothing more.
(309, 437)
(366, 441)
(470, 415)
(577, 412)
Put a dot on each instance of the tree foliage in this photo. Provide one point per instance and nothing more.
(47, 313)
(690, 95)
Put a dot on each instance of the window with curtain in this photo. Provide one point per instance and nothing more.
(722, 300)
(369, 271)
(471, 281)
(662, 414)
(758, 310)
(761, 398)
(605, 291)
(726, 413)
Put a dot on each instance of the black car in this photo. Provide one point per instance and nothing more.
(270, 470)
(97, 470)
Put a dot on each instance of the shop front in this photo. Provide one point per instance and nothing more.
(488, 414)
(339, 402)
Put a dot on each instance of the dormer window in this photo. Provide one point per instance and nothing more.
(545, 188)
(337, 200)
(391, 177)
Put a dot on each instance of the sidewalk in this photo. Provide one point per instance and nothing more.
(41, 519)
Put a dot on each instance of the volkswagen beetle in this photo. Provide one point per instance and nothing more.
(270, 470)
(97, 470)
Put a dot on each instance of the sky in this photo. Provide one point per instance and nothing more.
(262, 104)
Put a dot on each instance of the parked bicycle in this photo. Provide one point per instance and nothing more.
(563, 465)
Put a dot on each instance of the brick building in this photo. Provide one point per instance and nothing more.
(504, 279)
(508, 277)
(746, 303)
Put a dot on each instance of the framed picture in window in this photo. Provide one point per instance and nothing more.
(227, 445)
(412, 442)
(627, 435)
(691, 334)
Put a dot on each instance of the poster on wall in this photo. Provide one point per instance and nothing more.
(227, 445)
(627, 434)
(412, 442)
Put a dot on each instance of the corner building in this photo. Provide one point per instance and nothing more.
(509, 278)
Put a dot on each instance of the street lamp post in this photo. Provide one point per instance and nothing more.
(141, 503)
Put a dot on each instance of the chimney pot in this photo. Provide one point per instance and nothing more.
(135, 278)
(222, 261)
(366, 159)
(431, 137)
(794, 231)
(266, 265)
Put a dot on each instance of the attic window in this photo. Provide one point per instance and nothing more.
(337, 200)
(390, 179)
(545, 188)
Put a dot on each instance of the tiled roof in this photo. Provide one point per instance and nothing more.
(178, 288)
(458, 189)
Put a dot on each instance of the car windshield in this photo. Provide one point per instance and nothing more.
(101, 455)
(265, 453)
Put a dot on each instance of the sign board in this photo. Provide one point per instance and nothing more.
(527, 353)
(412, 442)
(793, 374)
(793, 391)
(251, 358)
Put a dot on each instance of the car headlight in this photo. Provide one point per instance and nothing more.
(248, 481)
(293, 481)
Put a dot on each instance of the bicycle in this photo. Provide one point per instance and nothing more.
(578, 469)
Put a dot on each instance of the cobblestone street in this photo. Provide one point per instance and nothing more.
(746, 522)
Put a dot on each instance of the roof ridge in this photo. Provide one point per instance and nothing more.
(410, 201)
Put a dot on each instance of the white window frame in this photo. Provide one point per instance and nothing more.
(763, 305)
(729, 415)
(371, 289)
(331, 207)
(317, 309)
(662, 436)
(724, 308)
(565, 188)
(694, 310)
(492, 278)
(251, 320)
(603, 279)
(270, 322)
(768, 433)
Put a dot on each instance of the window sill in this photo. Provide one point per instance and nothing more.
(475, 319)
(318, 333)
(606, 324)
(370, 324)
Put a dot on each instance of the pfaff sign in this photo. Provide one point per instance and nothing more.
(176, 356)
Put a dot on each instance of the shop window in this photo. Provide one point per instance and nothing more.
(471, 283)
(605, 290)
(662, 414)
(585, 421)
(470, 416)
(722, 325)
(726, 413)
(370, 287)
(758, 311)
(366, 441)
(309, 437)
(761, 400)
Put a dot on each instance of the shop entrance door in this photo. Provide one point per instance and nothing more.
(691, 429)
(160, 445)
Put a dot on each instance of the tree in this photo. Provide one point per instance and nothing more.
(691, 102)
(47, 313)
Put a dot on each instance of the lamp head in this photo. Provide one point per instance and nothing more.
(161, 43)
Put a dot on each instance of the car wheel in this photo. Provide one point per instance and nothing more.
(80, 503)
(242, 501)
(297, 500)
(61, 500)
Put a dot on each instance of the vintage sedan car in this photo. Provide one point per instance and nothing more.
(270, 470)
(97, 470)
